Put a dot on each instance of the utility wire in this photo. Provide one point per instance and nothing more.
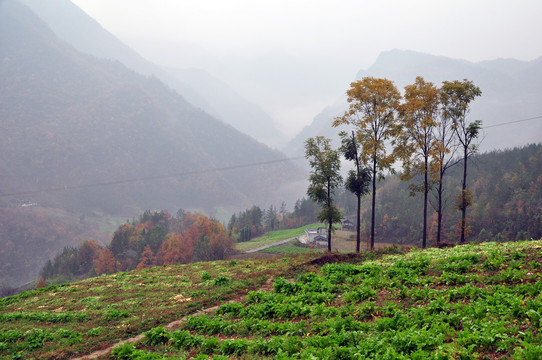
(512, 122)
(195, 172)
(156, 177)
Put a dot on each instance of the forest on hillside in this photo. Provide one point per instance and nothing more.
(506, 204)
(155, 238)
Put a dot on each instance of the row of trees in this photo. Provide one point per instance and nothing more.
(506, 202)
(156, 238)
(424, 132)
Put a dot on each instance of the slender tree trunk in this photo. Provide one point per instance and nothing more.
(425, 191)
(330, 221)
(358, 226)
(439, 209)
(373, 206)
(463, 194)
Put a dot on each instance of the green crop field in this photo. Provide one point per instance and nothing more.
(468, 302)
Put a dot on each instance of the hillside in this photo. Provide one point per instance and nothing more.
(197, 86)
(507, 191)
(470, 302)
(92, 138)
(510, 91)
(70, 120)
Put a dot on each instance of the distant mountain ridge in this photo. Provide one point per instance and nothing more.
(198, 87)
(510, 91)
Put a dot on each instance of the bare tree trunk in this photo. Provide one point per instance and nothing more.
(358, 226)
(329, 220)
(439, 210)
(373, 207)
(463, 194)
(425, 191)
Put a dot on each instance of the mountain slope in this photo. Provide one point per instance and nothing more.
(71, 120)
(198, 87)
(510, 91)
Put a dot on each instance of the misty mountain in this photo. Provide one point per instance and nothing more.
(197, 86)
(69, 120)
(231, 107)
(510, 91)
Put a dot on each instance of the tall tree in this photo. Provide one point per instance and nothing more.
(418, 116)
(358, 180)
(443, 158)
(147, 259)
(456, 99)
(270, 218)
(373, 104)
(105, 263)
(324, 179)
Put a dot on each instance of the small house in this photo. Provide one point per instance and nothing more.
(347, 225)
(318, 236)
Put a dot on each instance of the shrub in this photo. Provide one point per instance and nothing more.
(221, 280)
(283, 286)
(205, 276)
(359, 295)
(209, 345)
(157, 335)
(123, 352)
(234, 346)
(115, 314)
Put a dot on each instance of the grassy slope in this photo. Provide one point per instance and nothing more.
(273, 237)
(465, 302)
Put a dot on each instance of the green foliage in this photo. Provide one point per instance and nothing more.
(205, 276)
(221, 280)
(431, 304)
(123, 352)
(157, 335)
(114, 314)
(127, 351)
(324, 179)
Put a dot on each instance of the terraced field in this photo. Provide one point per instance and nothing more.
(467, 302)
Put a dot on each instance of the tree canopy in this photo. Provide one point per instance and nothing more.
(324, 179)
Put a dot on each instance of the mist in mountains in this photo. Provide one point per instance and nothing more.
(197, 86)
(70, 119)
(510, 91)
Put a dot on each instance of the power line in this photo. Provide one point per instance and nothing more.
(156, 177)
(512, 122)
(195, 172)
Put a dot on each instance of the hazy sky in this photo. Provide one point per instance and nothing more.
(294, 57)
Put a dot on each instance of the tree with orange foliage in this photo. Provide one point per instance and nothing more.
(105, 263)
(41, 283)
(202, 239)
(175, 250)
(147, 259)
(220, 245)
(373, 104)
(418, 145)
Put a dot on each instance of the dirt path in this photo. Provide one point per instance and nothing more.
(268, 286)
